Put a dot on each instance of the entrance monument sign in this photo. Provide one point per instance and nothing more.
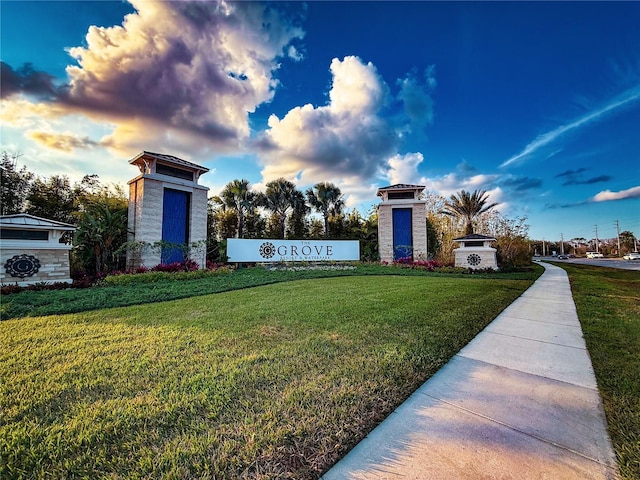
(254, 250)
(475, 252)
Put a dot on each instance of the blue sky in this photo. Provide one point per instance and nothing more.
(537, 103)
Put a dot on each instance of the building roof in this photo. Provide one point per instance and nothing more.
(400, 186)
(170, 159)
(26, 221)
(473, 236)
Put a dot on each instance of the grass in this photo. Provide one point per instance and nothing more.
(276, 381)
(34, 303)
(608, 305)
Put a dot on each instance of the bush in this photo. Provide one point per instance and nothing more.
(184, 266)
(428, 265)
(161, 276)
(36, 287)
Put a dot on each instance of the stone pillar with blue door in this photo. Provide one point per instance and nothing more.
(402, 223)
(167, 206)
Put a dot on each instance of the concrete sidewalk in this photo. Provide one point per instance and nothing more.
(518, 402)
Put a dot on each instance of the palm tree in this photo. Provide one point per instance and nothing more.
(237, 196)
(468, 206)
(102, 229)
(326, 198)
(281, 197)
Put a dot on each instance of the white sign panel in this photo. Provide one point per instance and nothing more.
(250, 250)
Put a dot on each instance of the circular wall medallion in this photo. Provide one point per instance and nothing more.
(22, 265)
(474, 259)
(267, 250)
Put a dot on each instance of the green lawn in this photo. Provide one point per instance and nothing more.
(276, 381)
(608, 305)
(33, 303)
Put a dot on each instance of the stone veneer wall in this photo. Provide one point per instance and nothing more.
(145, 218)
(54, 265)
(385, 229)
(487, 257)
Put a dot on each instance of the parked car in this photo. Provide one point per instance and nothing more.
(594, 255)
(632, 256)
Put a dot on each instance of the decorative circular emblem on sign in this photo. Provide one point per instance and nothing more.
(22, 265)
(474, 259)
(267, 250)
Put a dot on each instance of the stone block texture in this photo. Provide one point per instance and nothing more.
(54, 265)
(385, 229)
(487, 257)
(145, 218)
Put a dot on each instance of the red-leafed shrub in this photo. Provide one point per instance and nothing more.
(214, 265)
(184, 266)
(429, 265)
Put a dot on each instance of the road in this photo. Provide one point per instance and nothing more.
(600, 262)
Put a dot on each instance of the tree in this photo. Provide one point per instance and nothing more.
(468, 206)
(512, 244)
(297, 226)
(326, 198)
(52, 198)
(14, 185)
(102, 226)
(237, 195)
(280, 198)
(627, 241)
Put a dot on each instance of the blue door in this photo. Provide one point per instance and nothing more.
(175, 225)
(402, 233)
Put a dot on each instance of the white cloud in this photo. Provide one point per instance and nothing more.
(608, 195)
(404, 169)
(347, 137)
(545, 140)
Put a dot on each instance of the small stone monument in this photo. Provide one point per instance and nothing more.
(31, 250)
(402, 223)
(166, 204)
(475, 252)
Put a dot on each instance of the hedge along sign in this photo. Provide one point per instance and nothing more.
(250, 250)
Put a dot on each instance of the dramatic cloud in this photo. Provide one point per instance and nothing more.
(65, 142)
(608, 195)
(542, 143)
(25, 80)
(184, 67)
(347, 137)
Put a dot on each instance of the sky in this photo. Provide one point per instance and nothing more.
(537, 103)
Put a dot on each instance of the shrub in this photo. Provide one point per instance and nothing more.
(428, 265)
(161, 276)
(12, 288)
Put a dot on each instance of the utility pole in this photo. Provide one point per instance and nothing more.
(561, 244)
(597, 241)
(618, 231)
